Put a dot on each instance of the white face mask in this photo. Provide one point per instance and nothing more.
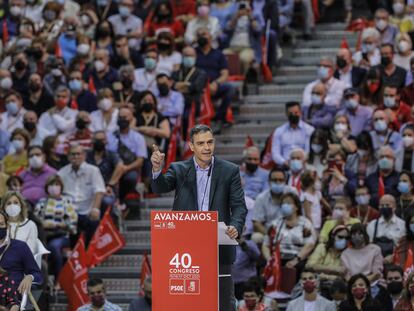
(105, 104)
(403, 46)
(340, 127)
(408, 141)
(83, 49)
(6, 83)
(381, 24)
(99, 65)
(36, 162)
(13, 210)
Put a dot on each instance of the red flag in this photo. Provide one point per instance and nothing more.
(74, 277)
(344, 43)
(229, 115)
(172, 147)
(315, 8)
(381, 187)
(249, 142)
(207, 107)
(106, 241)
(409, 263)
(5, 33)
(267, 161)
(91, 85)
(267, 73)
(191, 122)
(396, 259)
(273, 271)
(58, 50)
(145, 271)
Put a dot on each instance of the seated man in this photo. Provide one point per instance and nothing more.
(97, 296)
(83, 99)
(31, 125)
(132, 149)
(127, 95)
(391, 74)
(214, 63)
(144, 78)
(255, 178)
(334, 87)
(363, 211)
(398, 111)
(125, 55)
(170, 102)
(143, 303)
(383, 135)
(85, 184)
(37, 99)
(387, 31)
(352, 76)
(82, 136)
(12, 118)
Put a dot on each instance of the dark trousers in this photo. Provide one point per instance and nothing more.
(227, 301)
(88, 226)
(127, 183)
(225, 92)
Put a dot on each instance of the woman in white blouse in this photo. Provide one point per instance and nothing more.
(169, 60)
(105, 119)
(21, 228)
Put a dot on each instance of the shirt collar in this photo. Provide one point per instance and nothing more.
(199, 169)
(80, 170)
(391, 221)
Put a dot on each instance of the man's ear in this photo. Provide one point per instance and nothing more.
(191, 146)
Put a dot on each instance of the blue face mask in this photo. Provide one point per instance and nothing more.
(296, 165)
(385, 164)
(75, 85)
(403, 187)
(380, 125)
(188, 61)
(412, 228)
(150, 63)
(323, 72)
(340, 244)
(286, 209)
(276, 188)
(12, 108)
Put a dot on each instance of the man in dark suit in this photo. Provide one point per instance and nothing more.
(206, 183)
(352, 76)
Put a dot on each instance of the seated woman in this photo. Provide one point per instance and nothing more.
(371, 94)
(293, 231)
(405, 188)
(21, 228)
(326, 258)
(58, 218)
(317, 154)
(53, 158)
(340, 135)
(363, 257)
(359, 295)
(17, 259)
(17, 160)
(406, 302)
(406, 242)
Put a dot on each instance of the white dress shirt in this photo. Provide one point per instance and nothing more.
(62, 121)
(334, 88)
(393, 229)
(145, 80)
(9, 122)
(98, 123)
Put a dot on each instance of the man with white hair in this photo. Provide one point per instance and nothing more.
(102, 74)
(334, 87)
(352, 76)
(369, 54)
(297, 162)
(255, 178)
(381, 134)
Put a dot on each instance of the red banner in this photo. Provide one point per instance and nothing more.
(184, 260)
(74, 276)
(106, 241)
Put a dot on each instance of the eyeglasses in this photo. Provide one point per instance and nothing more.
(342, 237)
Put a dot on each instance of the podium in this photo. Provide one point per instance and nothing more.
(184, 250)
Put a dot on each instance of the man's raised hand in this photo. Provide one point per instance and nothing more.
(157, 159)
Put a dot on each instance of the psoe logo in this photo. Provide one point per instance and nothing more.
(176, 287)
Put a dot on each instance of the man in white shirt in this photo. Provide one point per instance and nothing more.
(144, 78)
(37, 133)
(84, 182)
(310, 300)
(334, 87)
(12, 118)
(59, 119)
(291, 135)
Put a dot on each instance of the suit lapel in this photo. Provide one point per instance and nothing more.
(192, 179)
(215, 175)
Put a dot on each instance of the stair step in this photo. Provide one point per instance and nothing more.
(284, 90)
(315, 52)
(266, 99)
(262, 109)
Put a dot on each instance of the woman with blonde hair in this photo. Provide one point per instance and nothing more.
(403, 45)
(20, 227)
(105, 119)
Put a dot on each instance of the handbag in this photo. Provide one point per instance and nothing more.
(126, 155)
(386, 244)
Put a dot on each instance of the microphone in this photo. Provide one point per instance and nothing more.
(182, 183)
(205, 188)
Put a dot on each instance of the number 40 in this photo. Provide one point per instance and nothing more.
(184, 261)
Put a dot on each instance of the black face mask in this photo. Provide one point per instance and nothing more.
(20, 65)
(81, 124)
(102, 33)
(251, 167)
(386, 212)
(30, 126)
(202, 41)
(293, 119)
(36, 53)
(126, 83)
(341, 63)
(123, 124)
(34, 87)
(147, 107)
(163, 46)
(98, 145)
(163, 89)
(385, 60)
(162, 16)
(395, 287)
(3, 233)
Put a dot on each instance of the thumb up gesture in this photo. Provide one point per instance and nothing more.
(157, 159)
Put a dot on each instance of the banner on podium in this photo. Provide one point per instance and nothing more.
(184, 260)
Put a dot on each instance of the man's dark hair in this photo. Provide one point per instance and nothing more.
(338, 286)
(162, 75)
(120, 37)
(34, 147)
(394, 268)
(252, 285)
(94, 282)
(199, 128)
(391, 46)
(308, 270)
(277, 170)
(289, 105)
(359, 228)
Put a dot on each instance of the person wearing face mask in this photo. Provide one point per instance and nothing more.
(294, 233)
(267, 204)
(144, 78)
(363, 257)
(56, 74)
(12, 118)
(143, 303)
(17, 159)
(124, 55)
(82, 99)
(34, 178)
(310, 300)
(404, 159)
(363, 211)
(391, 74)
(202, 20)
(318, 114)
(317, 154)
(369, 55)
(390, 294)
(82, 135)
(385, 179)
(381, 134)
(326, 258)
(169, 60)
(13, 17)
(387, 230)
(97, 295)
(170, 102)
(296, 165)
(407, 299)
(371, 89)
(352, 76)
(59, 219)
(255, 178)
(6, 84)
(88, 22)
(404, 47)
(387, 32)
(105, 119)
(359, 295)
(59, 119)
(104, 34)
(37, 133)
(38, 99)
(127, 24)
(252, 297)
(294, 133)
(398, 111)
(21, 73)
(127, 95)
(405, 188)
(20, 227)
(83, 51)
(360, 117)
(334, 87)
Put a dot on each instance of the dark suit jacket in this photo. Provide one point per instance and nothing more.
(226, 194)
(357, 75)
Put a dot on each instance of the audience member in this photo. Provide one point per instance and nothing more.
(255, 178)
(97, 295)
(352, 76)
